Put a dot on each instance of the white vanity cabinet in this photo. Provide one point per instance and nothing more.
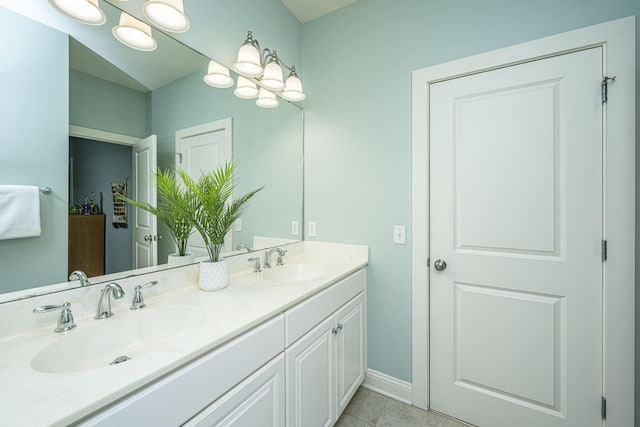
(298, 369)
(176, 398)
(257, 401)
(325, 367)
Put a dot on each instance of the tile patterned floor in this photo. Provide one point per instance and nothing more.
(369, 409)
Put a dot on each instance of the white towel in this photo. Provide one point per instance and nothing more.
(19, 211)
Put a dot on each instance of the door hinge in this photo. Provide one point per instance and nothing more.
(604, 250)
(605, 87)
(428, 262)
(603, 408)
(179, 157)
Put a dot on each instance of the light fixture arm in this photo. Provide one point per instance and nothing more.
(268, 55)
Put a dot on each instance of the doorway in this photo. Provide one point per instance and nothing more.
(470, 332)
(137, 246)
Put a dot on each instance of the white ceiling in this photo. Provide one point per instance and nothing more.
(306, 10)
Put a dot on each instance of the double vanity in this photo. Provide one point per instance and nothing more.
(285, 346)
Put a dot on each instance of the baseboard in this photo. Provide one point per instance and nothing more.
(388, 386)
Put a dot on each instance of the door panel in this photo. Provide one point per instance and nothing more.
(310, 378)
(516, 213)
(145, 228)
(203, 148)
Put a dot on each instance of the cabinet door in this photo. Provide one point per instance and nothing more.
(310, 378)
(351, 351)
(257, 401)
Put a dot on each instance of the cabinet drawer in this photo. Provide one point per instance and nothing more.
(176, 398)
(303, 317)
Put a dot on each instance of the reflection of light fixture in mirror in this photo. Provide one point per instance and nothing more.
(134, 33)
(267, 99)
(218, 76)
(266, 66)
(85, 11)
(293, 87)
(167, 15)
(245, 88)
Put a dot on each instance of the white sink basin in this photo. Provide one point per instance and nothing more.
(294, 272)
(125, 335)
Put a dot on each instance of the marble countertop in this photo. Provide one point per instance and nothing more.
(32, 398)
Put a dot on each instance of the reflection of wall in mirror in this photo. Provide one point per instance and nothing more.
(34, 121)
(266, 144)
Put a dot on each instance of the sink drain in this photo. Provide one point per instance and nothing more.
(120, 359)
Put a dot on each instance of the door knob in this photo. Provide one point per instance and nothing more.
(147, 238)
(440, 265)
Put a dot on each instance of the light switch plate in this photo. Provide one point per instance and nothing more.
(312, 229)
(239, 224)
(400, 234)
(295, 228)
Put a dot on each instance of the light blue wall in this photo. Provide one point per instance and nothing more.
(358, 63)
(34, 144)
(218, 28)
(99, 104)
(95, 166)
(266, 143)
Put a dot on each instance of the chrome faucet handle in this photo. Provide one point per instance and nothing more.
(138, 299)
(281, 253)
(65, 320)
(257, 268)
(104, 303)
(81, 276)
(243, 246)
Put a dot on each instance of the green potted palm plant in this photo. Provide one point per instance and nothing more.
(175, 205)
(215, 210)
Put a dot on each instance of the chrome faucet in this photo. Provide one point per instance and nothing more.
(65, 321)
(267, 257)
(257, 268)
(104, 304)
(243, 246)
(138, 299)
(81, 276)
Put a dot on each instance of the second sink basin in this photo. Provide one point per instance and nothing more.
(294, 272)
(120, 338)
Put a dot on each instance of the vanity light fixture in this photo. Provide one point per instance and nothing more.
(218, 76)
(167, 15)
(267, 99)
(293, 87)
(266, 67)
(85, 11)
(134, 33)
(245, 89)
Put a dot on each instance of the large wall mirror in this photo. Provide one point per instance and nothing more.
(74, 105)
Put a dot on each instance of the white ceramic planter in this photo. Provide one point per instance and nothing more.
(176, 260)
(214, 275)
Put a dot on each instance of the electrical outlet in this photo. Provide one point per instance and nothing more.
(239, 224)
(295, 228)
(312, 229)
(399, 234)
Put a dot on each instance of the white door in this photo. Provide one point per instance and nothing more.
(200, 149)
(145, 225)
(516, 214)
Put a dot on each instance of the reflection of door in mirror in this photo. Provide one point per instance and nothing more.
(96, 166)
(200, 149)
(145, 225)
